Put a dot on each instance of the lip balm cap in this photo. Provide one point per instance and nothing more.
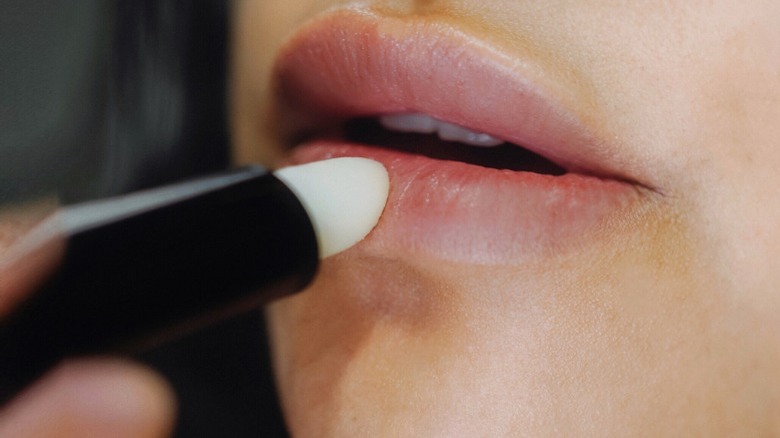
(344, 198)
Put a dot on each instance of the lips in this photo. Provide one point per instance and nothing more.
(350, 64)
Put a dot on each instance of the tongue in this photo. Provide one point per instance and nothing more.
(506, 156)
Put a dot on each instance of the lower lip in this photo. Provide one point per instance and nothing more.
(464, 213)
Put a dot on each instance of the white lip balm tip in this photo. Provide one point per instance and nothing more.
(344, 198)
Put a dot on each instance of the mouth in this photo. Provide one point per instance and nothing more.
(486, 166)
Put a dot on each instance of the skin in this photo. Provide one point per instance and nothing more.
(666, 325)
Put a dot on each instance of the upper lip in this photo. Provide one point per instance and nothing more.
(325, 74)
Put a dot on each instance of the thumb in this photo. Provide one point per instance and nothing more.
(92, 398)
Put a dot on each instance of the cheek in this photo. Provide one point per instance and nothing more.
(738, 199)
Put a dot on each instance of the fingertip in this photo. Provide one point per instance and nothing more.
(95, 397)
(121, 395)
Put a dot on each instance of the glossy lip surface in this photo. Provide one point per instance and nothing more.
(349, 63)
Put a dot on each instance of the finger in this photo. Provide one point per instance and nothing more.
(30, 248)
(92, 398)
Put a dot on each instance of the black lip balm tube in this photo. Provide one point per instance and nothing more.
(127, 280)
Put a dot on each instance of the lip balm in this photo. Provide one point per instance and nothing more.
(141, 268)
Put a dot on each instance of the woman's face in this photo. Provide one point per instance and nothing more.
(625, 284)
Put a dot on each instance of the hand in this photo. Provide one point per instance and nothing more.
(82, 398)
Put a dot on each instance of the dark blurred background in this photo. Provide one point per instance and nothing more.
(102, 97)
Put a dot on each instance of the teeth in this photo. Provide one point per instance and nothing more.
(424, 124)
(450, 132)
(419, 123)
